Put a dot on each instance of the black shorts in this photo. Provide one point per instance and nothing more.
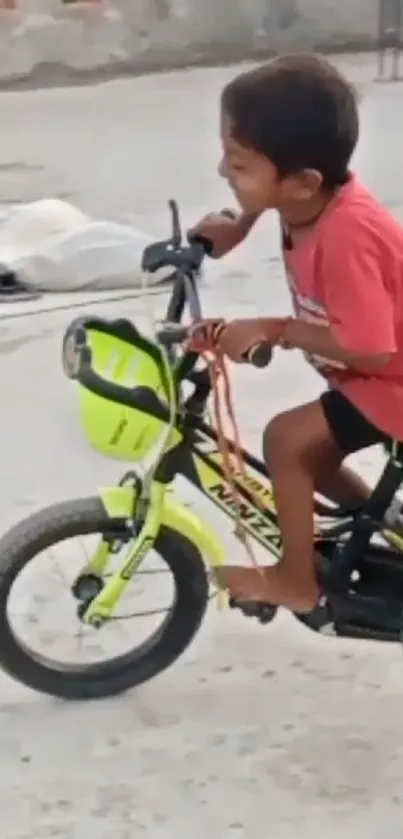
(351, 430)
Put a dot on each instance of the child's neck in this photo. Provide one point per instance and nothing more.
(303, 215)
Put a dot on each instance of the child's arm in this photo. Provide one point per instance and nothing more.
(225, 233)
(321, 341)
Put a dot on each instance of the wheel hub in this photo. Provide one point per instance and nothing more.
(85, 589)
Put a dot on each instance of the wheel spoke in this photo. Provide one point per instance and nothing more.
(170, 596)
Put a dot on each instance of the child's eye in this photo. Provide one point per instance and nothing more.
(237, 167)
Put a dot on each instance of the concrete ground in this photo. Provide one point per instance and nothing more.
(255, 731)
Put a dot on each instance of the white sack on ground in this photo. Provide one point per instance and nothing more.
(53, 246)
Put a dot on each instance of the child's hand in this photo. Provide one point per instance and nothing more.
(224, 233)
(238, 337)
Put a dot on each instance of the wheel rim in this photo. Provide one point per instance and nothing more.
(150, 598)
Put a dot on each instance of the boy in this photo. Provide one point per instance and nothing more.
(289, 130)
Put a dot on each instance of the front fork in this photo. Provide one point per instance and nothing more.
(124, 502)
(143, 520)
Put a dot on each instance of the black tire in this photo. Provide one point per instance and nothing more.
(95, 681)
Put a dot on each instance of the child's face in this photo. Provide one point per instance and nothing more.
(254, 179)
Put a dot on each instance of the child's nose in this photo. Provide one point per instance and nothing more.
(222, 169)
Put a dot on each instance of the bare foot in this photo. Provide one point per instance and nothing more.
(268, 584)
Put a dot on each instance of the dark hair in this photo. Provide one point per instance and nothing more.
(299, 112)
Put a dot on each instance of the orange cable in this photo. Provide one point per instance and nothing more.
(218, 372)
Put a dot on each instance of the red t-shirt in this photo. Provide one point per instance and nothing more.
(347, 273)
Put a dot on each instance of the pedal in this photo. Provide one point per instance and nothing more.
(263, 612)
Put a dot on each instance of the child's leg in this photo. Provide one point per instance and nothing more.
(345, 487)
(300, 452)
(304, 449)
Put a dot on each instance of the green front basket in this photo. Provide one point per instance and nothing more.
(121, 355)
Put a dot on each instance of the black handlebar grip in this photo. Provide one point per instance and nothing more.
(260, 355)
(207, 244)
(172, 333)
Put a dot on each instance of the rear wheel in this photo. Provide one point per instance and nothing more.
(46, 529)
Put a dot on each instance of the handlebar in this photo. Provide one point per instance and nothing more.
(186, 258)
(172, 334)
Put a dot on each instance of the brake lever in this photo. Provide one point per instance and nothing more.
(176, 225)
(184, 257)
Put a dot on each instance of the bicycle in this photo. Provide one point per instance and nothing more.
(130, 395)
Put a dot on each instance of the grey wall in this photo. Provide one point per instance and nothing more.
(145, 34)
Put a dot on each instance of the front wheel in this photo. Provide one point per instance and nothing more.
(45, 530)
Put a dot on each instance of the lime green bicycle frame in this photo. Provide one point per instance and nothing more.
(163, 511)
(198, 458)
(127, 422)
(192, 451)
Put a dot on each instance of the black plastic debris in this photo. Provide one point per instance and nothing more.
(12, 289)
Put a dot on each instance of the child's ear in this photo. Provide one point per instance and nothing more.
(304, 185)
(311, 182)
